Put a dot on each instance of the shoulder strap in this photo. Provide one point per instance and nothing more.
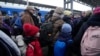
(31, 46)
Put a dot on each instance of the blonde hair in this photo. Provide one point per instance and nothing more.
(67, 12)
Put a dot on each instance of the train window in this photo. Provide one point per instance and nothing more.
(4, 12)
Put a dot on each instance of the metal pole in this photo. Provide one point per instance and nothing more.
(67, 6)
(27, 2)
(64, 4)
(71, 6)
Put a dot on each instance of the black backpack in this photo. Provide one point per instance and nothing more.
(46, 36)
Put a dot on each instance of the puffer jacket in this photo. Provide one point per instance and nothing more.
(34, 49)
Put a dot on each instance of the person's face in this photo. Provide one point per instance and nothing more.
(54, 17)
(83, 14)
(1, 19)
(0, 14)
(32, 11)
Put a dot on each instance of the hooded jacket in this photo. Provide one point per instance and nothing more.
(65, 34)
(64, 39)
(33, 48)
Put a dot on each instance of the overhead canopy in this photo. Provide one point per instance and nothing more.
(30, 3)
(93, 3)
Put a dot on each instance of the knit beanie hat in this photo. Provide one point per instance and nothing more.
(30, 30)
(96, 10)
(30, 8)
(66, 19)
(66, 28)
(59, 10)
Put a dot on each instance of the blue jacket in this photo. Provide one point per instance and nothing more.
(65, 34)
(64, 39)
(18, 23)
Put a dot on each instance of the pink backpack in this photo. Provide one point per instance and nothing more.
(90, 44)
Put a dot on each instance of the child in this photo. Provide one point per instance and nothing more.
(31, 34)
(64, 39)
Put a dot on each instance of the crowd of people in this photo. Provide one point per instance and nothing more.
(61, 34)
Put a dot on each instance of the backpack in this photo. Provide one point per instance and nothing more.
(90, 43)
(46, 36)
(60, 48)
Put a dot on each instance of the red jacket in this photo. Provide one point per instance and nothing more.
(34, 49)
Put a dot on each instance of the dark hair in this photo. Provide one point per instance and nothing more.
(67, 19)
(36, 9)
(39, 14)
(51, 12)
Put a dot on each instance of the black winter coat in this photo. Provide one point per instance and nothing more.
(93, 21)
(4, 50)
(78, 26)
